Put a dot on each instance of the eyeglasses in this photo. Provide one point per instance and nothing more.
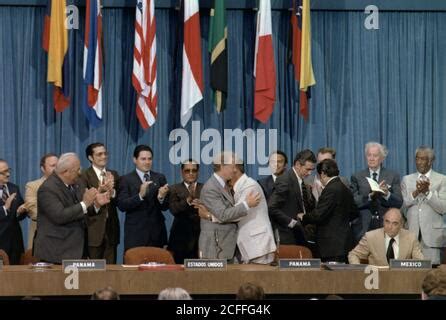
(190, 170)
(100, 154)
(4, 173)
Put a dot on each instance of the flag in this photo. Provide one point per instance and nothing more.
(218, 35)
(264, 67)
(93, 63)
(301, 45)
(55, 43)
(192, 81)
(144, 63)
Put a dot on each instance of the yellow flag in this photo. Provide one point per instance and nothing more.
(306, 71)
(58, 42)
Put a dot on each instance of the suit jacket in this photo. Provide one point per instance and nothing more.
(267, 185)
(361, 189)
(97, 224)
(332, 215)
(61, 222)
(144, 220)
(284, 204)
(426, 215)
(373, 247)
(11, 240)
(218, 240)
(31, 189)
(185, 231)
(255, 234)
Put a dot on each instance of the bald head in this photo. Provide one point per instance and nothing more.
(393, 221)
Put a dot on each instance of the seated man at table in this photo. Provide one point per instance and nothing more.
(389, 242)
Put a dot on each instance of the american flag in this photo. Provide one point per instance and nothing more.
(144, 63)
(93, 62)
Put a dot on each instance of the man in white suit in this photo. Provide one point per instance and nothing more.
(424, 194)
(255, 239)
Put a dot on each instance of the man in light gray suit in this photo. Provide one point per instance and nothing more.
(424, 195)
(218, 240)
(373, 205)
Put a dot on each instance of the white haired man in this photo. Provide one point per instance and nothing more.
(373, 205)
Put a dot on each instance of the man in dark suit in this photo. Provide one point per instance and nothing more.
(63, 205)
(185, 231)
(332, 215)
(290, 197)
(277, 163)
(142, 195)
(11, 211)
(103, 228)
(373, 205)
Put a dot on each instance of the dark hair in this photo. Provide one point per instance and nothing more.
(304, 156)
(141, 147)
(329, 167)
(89, 150)
(434, 284)
(105, 294)
(331, 151)
(279, 152)
(46, 156)
(250, 291)
(190, 161)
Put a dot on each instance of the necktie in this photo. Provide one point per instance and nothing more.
(102, 177)
(390, 254)
(191, 189)
(4, 194)
(374, 176)
(229, 190)
(146, 177)
(73, 192)
(305, 199)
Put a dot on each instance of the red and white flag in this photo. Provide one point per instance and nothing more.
(192, 81)
(264, 66)
(144, 63)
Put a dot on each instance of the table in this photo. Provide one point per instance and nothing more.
(22, 280)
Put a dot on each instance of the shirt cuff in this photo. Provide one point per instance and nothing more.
(292, 223)
(84, 207)
(113, 195)
(246, 205)
(6, 211)
(388, 196)
(140, 198)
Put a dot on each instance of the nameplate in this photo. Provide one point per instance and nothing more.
(300, 264)
(208, 264)
(410, 264)
(85, 265)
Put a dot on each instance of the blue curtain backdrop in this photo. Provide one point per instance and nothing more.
(386, 85)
